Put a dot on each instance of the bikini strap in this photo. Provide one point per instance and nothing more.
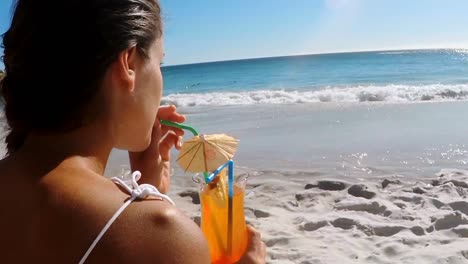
(137, 192)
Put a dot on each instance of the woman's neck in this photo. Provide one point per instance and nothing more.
(87, 147)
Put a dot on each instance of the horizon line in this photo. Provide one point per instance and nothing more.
(311, 54)
(297, 55)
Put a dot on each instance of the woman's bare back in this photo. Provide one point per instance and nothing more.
(54, 218)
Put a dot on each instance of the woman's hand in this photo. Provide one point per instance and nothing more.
(154, 162)
(256, 250)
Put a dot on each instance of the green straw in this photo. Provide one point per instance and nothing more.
(178, 125)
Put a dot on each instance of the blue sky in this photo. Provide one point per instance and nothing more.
(212, 30)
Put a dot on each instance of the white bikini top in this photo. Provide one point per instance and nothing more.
(137, 192)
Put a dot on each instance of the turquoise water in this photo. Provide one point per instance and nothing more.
(389, 76)
(367, 114)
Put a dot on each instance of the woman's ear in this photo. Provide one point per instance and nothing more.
(125, 68)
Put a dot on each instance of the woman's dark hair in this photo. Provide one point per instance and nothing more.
(56, 53)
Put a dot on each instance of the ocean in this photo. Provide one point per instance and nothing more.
(384, 76)
(364, 114)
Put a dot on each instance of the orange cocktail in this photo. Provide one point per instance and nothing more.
(215, 222)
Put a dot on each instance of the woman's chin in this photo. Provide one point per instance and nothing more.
(139, 146)
(143, 145)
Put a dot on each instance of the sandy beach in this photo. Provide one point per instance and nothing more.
(308, 218)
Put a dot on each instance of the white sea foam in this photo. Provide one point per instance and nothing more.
(395, 52)
(357, 94)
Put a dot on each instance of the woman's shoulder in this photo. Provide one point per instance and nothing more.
(165, 232)
(148, 230)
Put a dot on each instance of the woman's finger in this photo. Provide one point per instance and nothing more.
(169, 113)
(165, 129)
(256, 239)
(256, 249)
(165, 145)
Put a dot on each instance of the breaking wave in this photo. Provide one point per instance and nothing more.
(356, 94)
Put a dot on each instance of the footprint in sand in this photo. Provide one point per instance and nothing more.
(382, 231)
(312, 226)
(386, 231)
(400, 205)
(360, 190)
(332, 185)
(450, 221)
(438, 204)
(417, 230)
(345, 223)
(461, 184)
(461, 232)
(328, 185)
(311, 196)
(386, 182)
(260, 213)
(409, 199)
(373, 208)
(461, 206)
(192, 194)
(278, 241)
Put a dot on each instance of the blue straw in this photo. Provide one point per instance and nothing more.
(231, 177)
(231, 195)
(230, 171)
(215, 173)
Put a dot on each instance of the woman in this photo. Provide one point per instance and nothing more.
(83, 77)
